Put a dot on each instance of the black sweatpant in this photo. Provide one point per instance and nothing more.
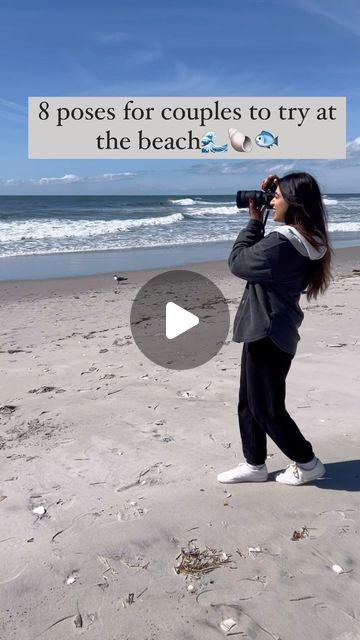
(261, 408)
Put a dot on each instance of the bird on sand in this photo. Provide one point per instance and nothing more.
(119, 278)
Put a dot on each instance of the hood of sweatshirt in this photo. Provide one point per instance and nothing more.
(300, 243)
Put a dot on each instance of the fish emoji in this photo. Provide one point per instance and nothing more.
(208, 146)
(266, 139)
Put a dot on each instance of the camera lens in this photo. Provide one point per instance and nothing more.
(259, 198)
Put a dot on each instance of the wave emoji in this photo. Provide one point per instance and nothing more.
(208, 145)
(266, 139)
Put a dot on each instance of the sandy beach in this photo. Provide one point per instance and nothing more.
(109, 464)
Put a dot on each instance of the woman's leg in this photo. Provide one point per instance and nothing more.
(253, 436)
(266, 369)
(253, 439)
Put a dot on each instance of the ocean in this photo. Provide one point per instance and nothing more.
(57, 236)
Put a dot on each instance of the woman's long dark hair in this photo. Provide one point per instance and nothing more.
(307, 214)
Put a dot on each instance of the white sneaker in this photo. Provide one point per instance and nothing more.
(295, 475)
(243, 473)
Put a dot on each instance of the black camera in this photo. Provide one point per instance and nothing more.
(260, 198)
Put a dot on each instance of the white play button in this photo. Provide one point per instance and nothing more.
(178, 320)
(183, 305)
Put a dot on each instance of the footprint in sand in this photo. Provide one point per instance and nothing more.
(77, 526)
(248, 588)
(337, 619)
(131, 511)
(13, 562)
(333, 518)
(224, 605)
(150, 476)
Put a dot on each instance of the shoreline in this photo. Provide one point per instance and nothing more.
(345, 263)
(99, 262)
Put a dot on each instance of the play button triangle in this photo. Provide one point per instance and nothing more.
(165, 330)
(178, 320)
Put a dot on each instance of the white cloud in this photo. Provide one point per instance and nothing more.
(144, 56)
(282, 167)
(13, 112)
(134, 52)
(12, 106)
(353, 149)
(352, 157)
(182, 80)
(234, 167)
(74, 179)
(218, 168)
(347, 17)
(112, 177)
(9, 183)
(67, 179)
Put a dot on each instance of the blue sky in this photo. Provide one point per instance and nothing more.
(158, 48)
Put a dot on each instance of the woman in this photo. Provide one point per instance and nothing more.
(277, 268)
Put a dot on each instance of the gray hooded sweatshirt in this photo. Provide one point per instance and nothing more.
(277, 268)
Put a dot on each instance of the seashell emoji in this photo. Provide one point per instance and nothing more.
(239, 141)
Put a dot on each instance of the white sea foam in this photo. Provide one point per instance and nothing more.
(133, 241)
(35, 229)
(51, 231)
(23, 250)
(212, 202)
(187, 202)
(211, 211)
(183, 201)
(344, 226)
(141, 224)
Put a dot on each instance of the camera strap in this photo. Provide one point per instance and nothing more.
(264, 221)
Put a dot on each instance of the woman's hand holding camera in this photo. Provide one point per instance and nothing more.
(258, 214)
(265, 183)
